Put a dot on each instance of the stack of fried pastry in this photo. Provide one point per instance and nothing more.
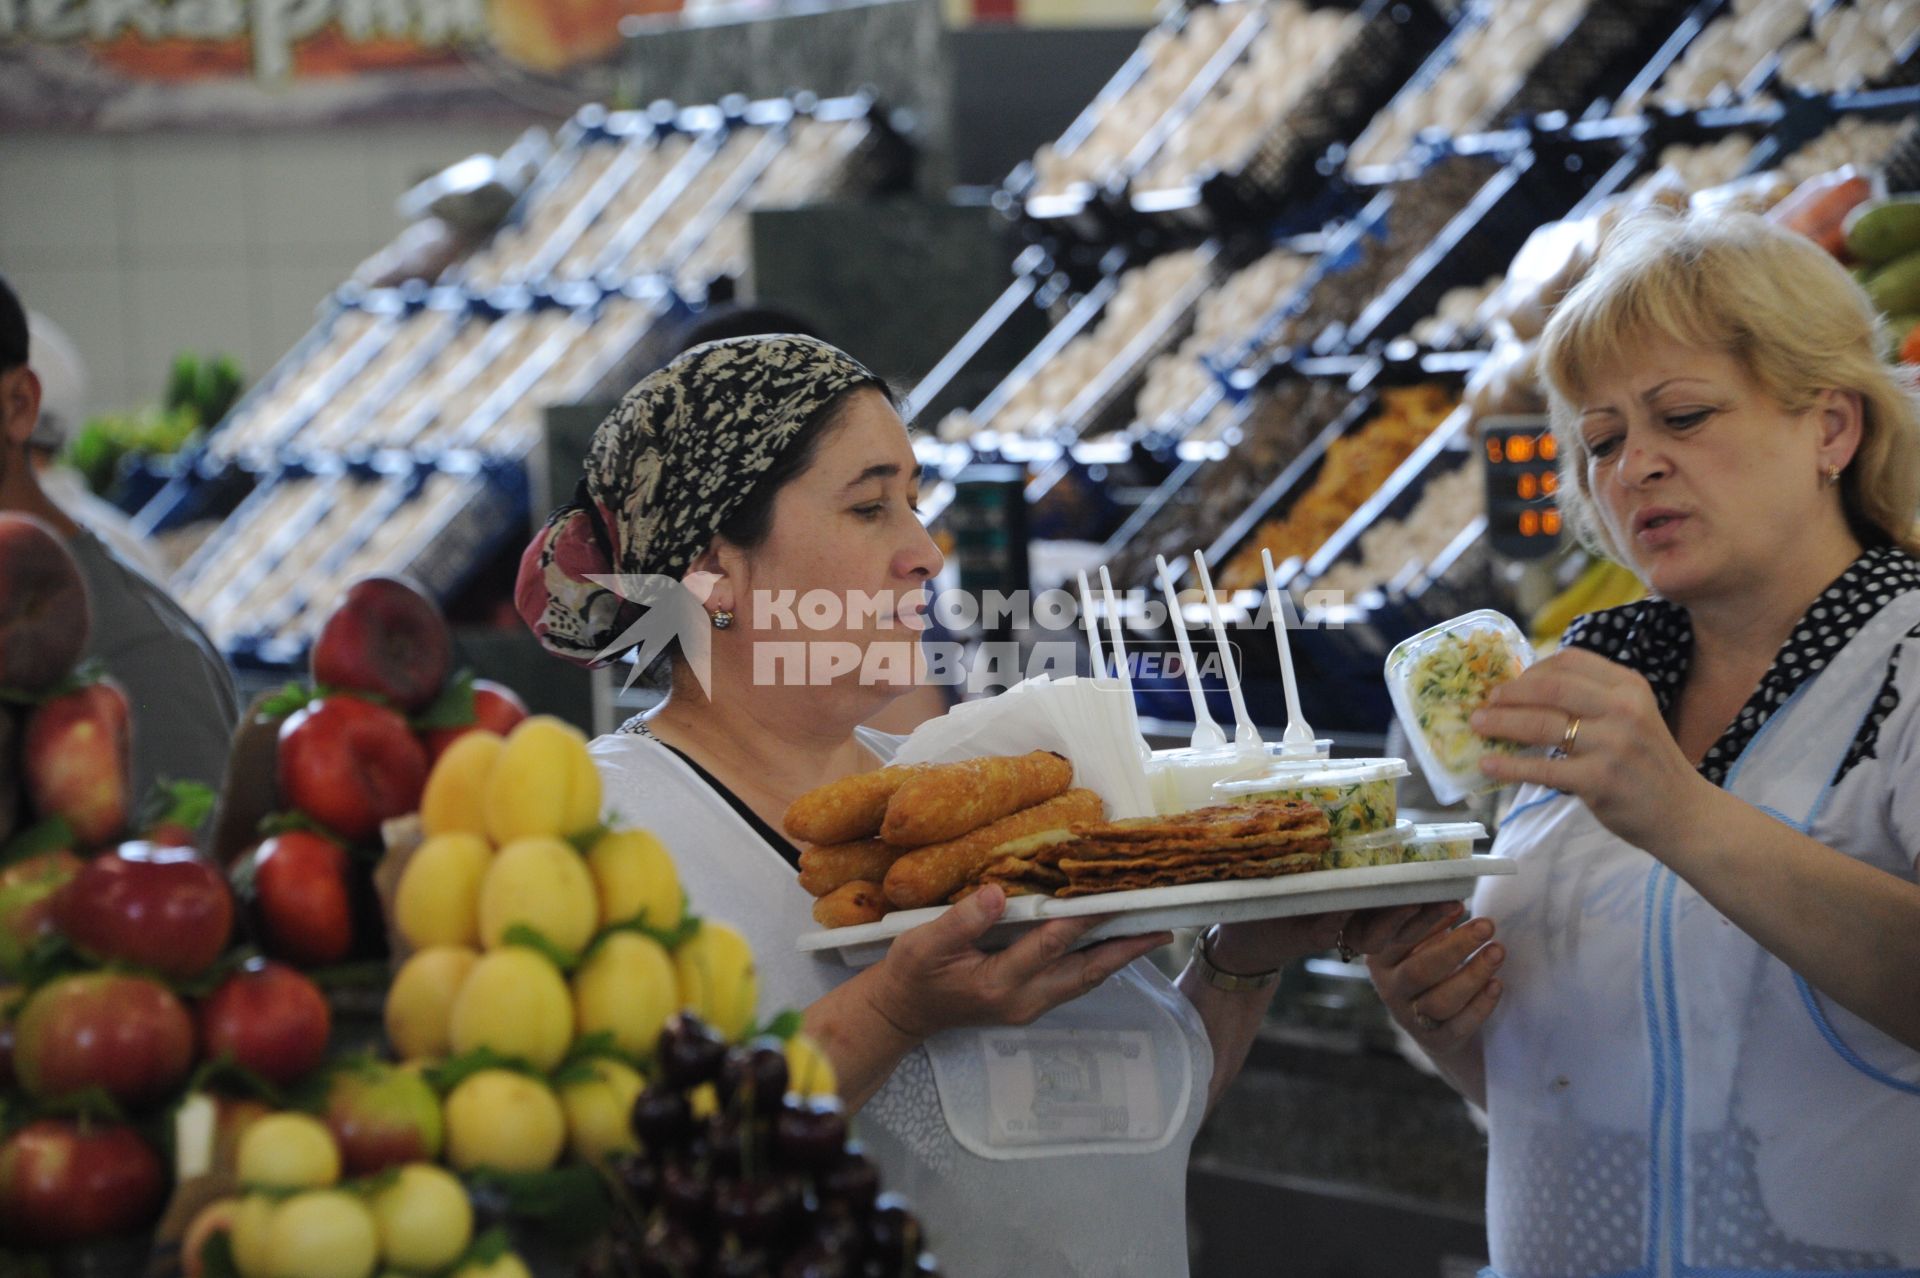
(1237, 841)
(915, 835)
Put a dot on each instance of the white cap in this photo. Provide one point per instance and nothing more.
(63, 381)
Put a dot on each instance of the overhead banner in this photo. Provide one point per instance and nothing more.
(131, 64)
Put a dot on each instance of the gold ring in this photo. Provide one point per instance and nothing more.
(1425, 1022)
(1573, 730)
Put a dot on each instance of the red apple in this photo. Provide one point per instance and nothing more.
(350, 765)
(43, 606)
(385, 638)
(126, 1035)
(63, 1182)
(28, 891)
(304, 898)
(151, 906)
(78, 759)
(383, 1116)
(496, 708)
(269, 1019)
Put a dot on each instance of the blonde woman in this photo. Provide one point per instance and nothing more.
(1696, 1036)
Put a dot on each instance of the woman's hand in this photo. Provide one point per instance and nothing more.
(1613, 750)
(1439, 986)
(1267, 944)
(936, 977)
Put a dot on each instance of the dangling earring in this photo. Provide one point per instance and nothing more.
(722, 619)
(1833, 476)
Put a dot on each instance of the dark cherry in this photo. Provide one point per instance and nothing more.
(893, 1233)
(757, 1212)
(668, 1252)
(851, 1184)
(754, 1078)
(811, 1262)
(662, 1121)
(811, 1137)
(839, 1236)
(640, 1177)
(737, 1262)
(723, 1144)
(687, 1195)
(690, 1053)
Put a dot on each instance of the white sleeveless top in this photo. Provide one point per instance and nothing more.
(1057, 1149)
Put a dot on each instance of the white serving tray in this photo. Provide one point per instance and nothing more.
(1191, 904)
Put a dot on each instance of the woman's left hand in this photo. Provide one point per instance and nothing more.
(1611, 747)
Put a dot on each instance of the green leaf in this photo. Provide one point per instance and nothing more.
(455, 1070)
(216, 1256)
(187, 804)
(569, 1204)
(49, 958)
(51, 835)
(294, 697)
(296, 822)
(578, 1065)
(485, 1249)
(90, 1104)
(782, 1027)
(584, 840)
(523, 935)
(453, 708)
(224, 1074)
(667, 940)
(368, 974)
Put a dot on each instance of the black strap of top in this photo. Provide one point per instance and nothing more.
(774, 840)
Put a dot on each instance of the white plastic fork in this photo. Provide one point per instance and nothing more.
(1206, 733)
(1297, 742)
(1246, 737)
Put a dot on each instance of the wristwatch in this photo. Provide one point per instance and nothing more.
(1233, 982)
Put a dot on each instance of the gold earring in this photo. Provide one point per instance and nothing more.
(722, 619)
(1833, 476)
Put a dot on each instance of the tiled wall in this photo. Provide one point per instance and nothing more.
(141, 246)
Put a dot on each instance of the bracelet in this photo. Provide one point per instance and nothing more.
(1220, 979)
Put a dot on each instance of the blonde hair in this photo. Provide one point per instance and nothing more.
(1772, 300)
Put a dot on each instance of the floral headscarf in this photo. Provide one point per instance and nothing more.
(667, 469)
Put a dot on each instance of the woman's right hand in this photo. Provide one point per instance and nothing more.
(1438, 978)
(936, 977)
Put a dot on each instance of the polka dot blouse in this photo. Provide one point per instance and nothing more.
(1655, 638)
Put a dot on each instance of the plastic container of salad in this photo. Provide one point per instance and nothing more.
(1359, 796)
(1452, 841)
(1382, 847)
(1438, 678)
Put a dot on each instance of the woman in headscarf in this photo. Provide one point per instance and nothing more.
(1036, 1104)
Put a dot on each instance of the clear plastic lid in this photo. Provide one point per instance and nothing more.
(1448, 832)
(1313, 774)
(1438, 678)
(1399, 834)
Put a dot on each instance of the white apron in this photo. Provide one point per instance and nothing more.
(1667, 1098)
(1057, 1149)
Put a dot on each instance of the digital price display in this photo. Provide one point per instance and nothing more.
(1523, 513)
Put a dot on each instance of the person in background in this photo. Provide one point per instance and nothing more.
(63, 397)
(184, 708)
(1698, 1037)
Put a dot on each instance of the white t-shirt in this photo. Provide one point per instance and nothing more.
(954, 1128)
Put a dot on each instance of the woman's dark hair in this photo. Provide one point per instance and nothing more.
(752, 521)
